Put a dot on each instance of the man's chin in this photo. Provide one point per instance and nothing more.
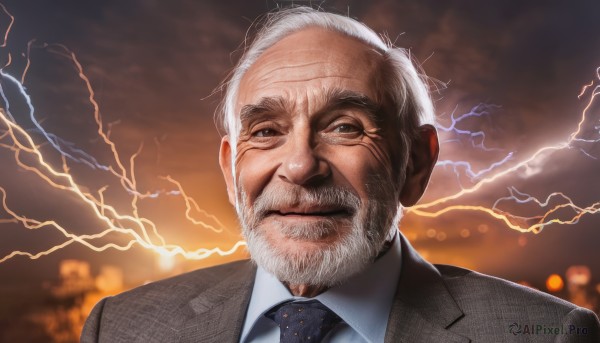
(312, 251)
(306, 261)
(304, 247)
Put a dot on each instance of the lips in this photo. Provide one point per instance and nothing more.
(310, 211)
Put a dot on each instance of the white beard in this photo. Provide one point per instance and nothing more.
(353, 250)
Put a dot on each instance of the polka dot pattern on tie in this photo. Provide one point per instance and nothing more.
(304, 321)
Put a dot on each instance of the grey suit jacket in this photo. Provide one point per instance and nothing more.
(432, 304)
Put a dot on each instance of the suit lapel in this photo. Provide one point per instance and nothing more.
(217, 315)
(423, 308)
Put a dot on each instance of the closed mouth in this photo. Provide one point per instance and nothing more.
(313, 212)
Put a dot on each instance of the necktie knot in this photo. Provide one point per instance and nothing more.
(304, 321)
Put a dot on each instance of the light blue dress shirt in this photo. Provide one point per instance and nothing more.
(363, 302)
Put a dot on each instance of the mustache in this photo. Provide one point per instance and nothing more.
(327, 196)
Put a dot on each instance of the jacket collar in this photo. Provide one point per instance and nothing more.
(217, 314)
(423, 308)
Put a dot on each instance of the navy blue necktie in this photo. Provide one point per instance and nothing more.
(303, 321)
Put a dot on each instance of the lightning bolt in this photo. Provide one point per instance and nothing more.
(522, 224)
(28, 155)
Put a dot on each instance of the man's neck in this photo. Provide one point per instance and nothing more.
(307, 291)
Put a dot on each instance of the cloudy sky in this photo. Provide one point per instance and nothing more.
(155, 67)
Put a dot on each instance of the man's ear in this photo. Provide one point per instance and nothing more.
(423, 155)
(225, 163)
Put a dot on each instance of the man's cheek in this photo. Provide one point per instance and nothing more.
(242, 148)
(371, 149)
(252, 178)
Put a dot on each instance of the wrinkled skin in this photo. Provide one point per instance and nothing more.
(312, 116)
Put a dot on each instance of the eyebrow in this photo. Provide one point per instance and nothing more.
(339, 99)
(334, 99)
(266, 106)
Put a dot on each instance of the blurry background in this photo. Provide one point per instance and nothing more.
(518, 68)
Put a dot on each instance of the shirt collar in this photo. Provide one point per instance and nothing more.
(363, 302)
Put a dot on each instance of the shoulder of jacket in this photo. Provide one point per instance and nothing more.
(468, 286)
(181, 287)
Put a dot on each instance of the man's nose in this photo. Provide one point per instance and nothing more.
(302, 165)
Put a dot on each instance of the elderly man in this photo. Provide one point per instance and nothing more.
(329, 135)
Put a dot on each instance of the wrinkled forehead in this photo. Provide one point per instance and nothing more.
(309, 63)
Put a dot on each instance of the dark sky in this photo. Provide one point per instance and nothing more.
(154, 66)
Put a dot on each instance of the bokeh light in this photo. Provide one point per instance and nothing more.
(554, 283)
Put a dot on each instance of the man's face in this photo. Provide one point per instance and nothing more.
(314, 178)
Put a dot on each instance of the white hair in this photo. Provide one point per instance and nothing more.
(402, 83)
